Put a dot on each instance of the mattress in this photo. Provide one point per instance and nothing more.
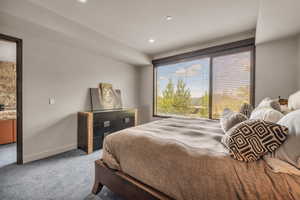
(185, 159)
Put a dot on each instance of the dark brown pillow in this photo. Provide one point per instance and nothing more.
(230, 119)
(251, 139)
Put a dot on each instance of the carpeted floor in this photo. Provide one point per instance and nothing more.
(8, 154)
(68, 176)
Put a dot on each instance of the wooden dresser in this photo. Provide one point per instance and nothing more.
(94, 126)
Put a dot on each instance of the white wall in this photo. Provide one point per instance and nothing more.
(276, 68)
(54, 68)
(7, 51)
(18, 13)
(146, 94)
(298, 77)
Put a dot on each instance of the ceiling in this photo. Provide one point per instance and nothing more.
(121, 29)
(134, 22)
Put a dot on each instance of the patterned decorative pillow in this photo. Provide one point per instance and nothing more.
(230, 119)
(246, 109)
(251, 139)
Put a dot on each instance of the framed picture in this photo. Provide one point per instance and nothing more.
(105, 97)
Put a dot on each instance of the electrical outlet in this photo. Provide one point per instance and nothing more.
(51, 100)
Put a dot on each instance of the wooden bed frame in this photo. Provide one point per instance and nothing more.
(123, 185)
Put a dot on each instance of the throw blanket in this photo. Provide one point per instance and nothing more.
(185, 159)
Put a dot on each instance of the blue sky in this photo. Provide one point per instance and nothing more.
(194, 73)
(230, 73)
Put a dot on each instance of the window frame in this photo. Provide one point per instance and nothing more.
(211, 52)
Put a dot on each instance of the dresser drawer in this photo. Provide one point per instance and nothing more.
(93, 127)
(126, 120)
(130, 113)
(106, 121)
(100, 130)
(97, 143)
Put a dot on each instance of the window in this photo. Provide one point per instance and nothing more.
(203, 83)
(231, 82)
(183, 88)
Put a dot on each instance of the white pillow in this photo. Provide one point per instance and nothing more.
(285, 109)
(269, 103)
(289, 151)
(266, 114)
(294, 101)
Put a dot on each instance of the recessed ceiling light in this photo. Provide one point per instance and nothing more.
(82, 1)
(168, 18)
(151, 40)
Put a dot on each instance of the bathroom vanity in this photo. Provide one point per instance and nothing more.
(8, 128)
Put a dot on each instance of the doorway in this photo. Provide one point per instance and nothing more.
(11, 140)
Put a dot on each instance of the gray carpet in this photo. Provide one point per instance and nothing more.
(67, 176)
(8, 154)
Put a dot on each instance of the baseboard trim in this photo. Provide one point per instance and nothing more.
(48, 153)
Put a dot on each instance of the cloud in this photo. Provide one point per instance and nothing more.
(163, 78)
(189, 71)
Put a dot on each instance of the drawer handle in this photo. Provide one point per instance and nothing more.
(126, 120)
(106, 124)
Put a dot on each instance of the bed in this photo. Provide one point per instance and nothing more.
(184, 159)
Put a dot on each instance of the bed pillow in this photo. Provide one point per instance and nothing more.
(251, 139)
(268, 102)
(230, 119)
(266, 114)
(285, 109)
(246, 109)
(290, 150)
(294, 101)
